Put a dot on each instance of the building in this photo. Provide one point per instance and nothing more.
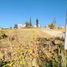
(36, 26)
(21, 26)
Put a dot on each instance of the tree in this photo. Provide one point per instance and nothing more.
(54, 21)
(37, 23)
(26, 24)
(51, 26)
(15, 26)
(30, 23)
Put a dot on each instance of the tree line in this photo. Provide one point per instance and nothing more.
(28, 24)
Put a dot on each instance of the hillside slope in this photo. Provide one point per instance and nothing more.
(30, 48)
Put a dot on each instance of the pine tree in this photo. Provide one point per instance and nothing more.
(37, 23)
(30, 23)
(15, 26)
(27, 24)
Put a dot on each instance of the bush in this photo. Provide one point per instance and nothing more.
(51, 26)
(2, 34)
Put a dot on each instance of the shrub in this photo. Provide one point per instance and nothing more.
(3, 34)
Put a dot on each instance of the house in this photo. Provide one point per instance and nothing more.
(36, 26)
(21, 26)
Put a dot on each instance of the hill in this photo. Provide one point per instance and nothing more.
(31, 47)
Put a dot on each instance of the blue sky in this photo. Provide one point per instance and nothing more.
(19, 11)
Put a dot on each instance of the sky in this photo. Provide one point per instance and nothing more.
(19, 11)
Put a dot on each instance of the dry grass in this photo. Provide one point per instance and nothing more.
(20, 47)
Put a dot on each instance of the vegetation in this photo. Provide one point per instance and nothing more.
(37, 23)
(30, 48)
(30, 23)
(2, 34)
(54, 53)
(15, 26)
(52, 26)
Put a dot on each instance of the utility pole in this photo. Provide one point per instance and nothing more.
(66, 32)
(65, 46)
